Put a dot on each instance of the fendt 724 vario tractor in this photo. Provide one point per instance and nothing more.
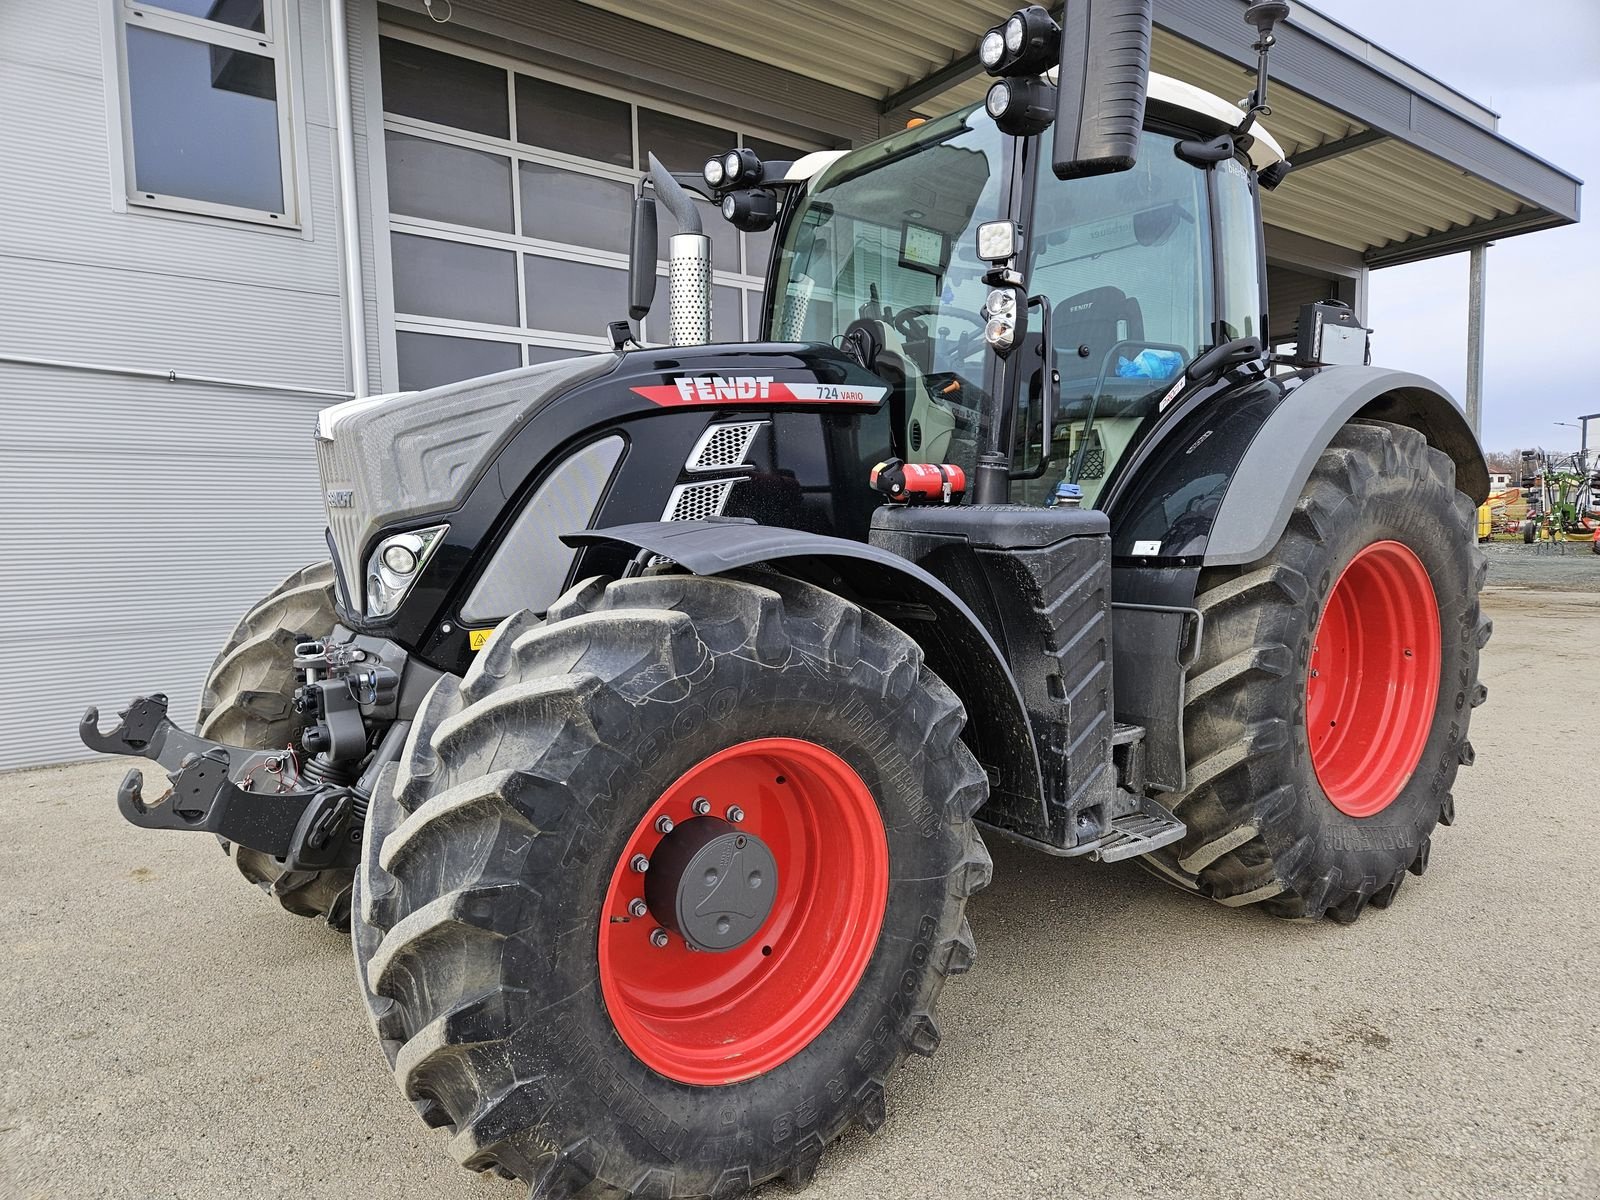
(645, 717)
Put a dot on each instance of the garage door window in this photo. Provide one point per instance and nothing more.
(510, 199)
(205, 110)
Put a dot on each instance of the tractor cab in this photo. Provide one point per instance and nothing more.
(1127, 278)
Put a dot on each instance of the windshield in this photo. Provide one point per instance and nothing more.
(889, 235)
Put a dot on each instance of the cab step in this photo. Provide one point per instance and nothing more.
(1138, 833)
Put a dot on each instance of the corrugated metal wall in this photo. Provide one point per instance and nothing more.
(141, 517)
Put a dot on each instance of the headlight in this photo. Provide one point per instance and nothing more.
(395, 564)
(713, 171)
(731, 166)
(1002, 302)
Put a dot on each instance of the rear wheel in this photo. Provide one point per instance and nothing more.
(247, 701)
(1327, 713)
(661, 893)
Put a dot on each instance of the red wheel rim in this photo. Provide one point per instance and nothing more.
(720, 1017)
(1373, 681)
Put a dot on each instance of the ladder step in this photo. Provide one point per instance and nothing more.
(1139, 833)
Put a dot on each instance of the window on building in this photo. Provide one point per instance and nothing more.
(511, 197)
(205, 108)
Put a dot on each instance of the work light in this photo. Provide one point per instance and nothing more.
(992, 49)
(1027, 43)
(997, 241)
(752, 209)
(739, 167)
(1021, 107)
(712, 172)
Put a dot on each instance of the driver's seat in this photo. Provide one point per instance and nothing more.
(1085, 328)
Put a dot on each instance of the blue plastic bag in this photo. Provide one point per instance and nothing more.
(1150, 364)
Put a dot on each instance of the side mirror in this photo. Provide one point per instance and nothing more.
(642, 257)
(1105, 75)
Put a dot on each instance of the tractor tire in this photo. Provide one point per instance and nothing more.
(1530, 531)
(1365, 615)
(523, 993)
(247, 702)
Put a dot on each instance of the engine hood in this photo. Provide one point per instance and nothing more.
(387, 459)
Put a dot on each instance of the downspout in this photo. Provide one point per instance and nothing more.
(349, 230)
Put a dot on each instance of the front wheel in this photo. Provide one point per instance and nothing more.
(1327, 713)
(664, 889)
(248, 701)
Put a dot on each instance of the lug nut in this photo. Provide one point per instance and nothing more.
(701, 806)
(638, 908)
(663, 824)
(658, 938)
(735, 813)
(640, 863)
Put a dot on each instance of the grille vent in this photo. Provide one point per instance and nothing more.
(697, 501)
(723, 446)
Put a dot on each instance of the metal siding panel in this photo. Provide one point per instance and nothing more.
(144, 516)
(63, 310)
(143, 519)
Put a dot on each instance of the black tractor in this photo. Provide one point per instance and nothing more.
(648, 717)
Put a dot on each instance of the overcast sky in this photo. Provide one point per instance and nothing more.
(1538, 65)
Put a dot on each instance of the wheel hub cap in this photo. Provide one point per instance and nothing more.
(711, 884)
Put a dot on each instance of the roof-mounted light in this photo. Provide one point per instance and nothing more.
(1021, 107)
(740, 168)
(1028, 42)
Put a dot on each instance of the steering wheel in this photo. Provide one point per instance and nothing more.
(905, 316)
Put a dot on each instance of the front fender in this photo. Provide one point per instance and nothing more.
(1265, 486)
(954, 642)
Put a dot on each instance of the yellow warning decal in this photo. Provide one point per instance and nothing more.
(478, 638)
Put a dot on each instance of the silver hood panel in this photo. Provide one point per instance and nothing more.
(387, 459)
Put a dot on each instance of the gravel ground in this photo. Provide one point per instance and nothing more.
(169, 1034)
(1571, 566)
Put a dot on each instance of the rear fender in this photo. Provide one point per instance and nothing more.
(1266, 484)
(954, 642)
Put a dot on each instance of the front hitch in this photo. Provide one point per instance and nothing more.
(254, 798)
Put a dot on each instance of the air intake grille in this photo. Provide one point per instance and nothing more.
(723, 446)
(697, 501)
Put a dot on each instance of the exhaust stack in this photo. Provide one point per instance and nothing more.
(688, 263)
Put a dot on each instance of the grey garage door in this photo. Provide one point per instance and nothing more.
(510, 193)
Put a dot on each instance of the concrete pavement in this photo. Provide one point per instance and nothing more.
(168, 1033)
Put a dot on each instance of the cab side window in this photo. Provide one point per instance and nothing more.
(1239, 307)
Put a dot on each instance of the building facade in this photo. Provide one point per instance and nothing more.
(219, 216)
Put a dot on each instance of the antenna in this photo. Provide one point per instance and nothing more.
(1264, 15)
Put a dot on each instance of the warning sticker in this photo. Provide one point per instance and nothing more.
(477, 638)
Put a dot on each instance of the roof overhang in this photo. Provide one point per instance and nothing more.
(1390, 163)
